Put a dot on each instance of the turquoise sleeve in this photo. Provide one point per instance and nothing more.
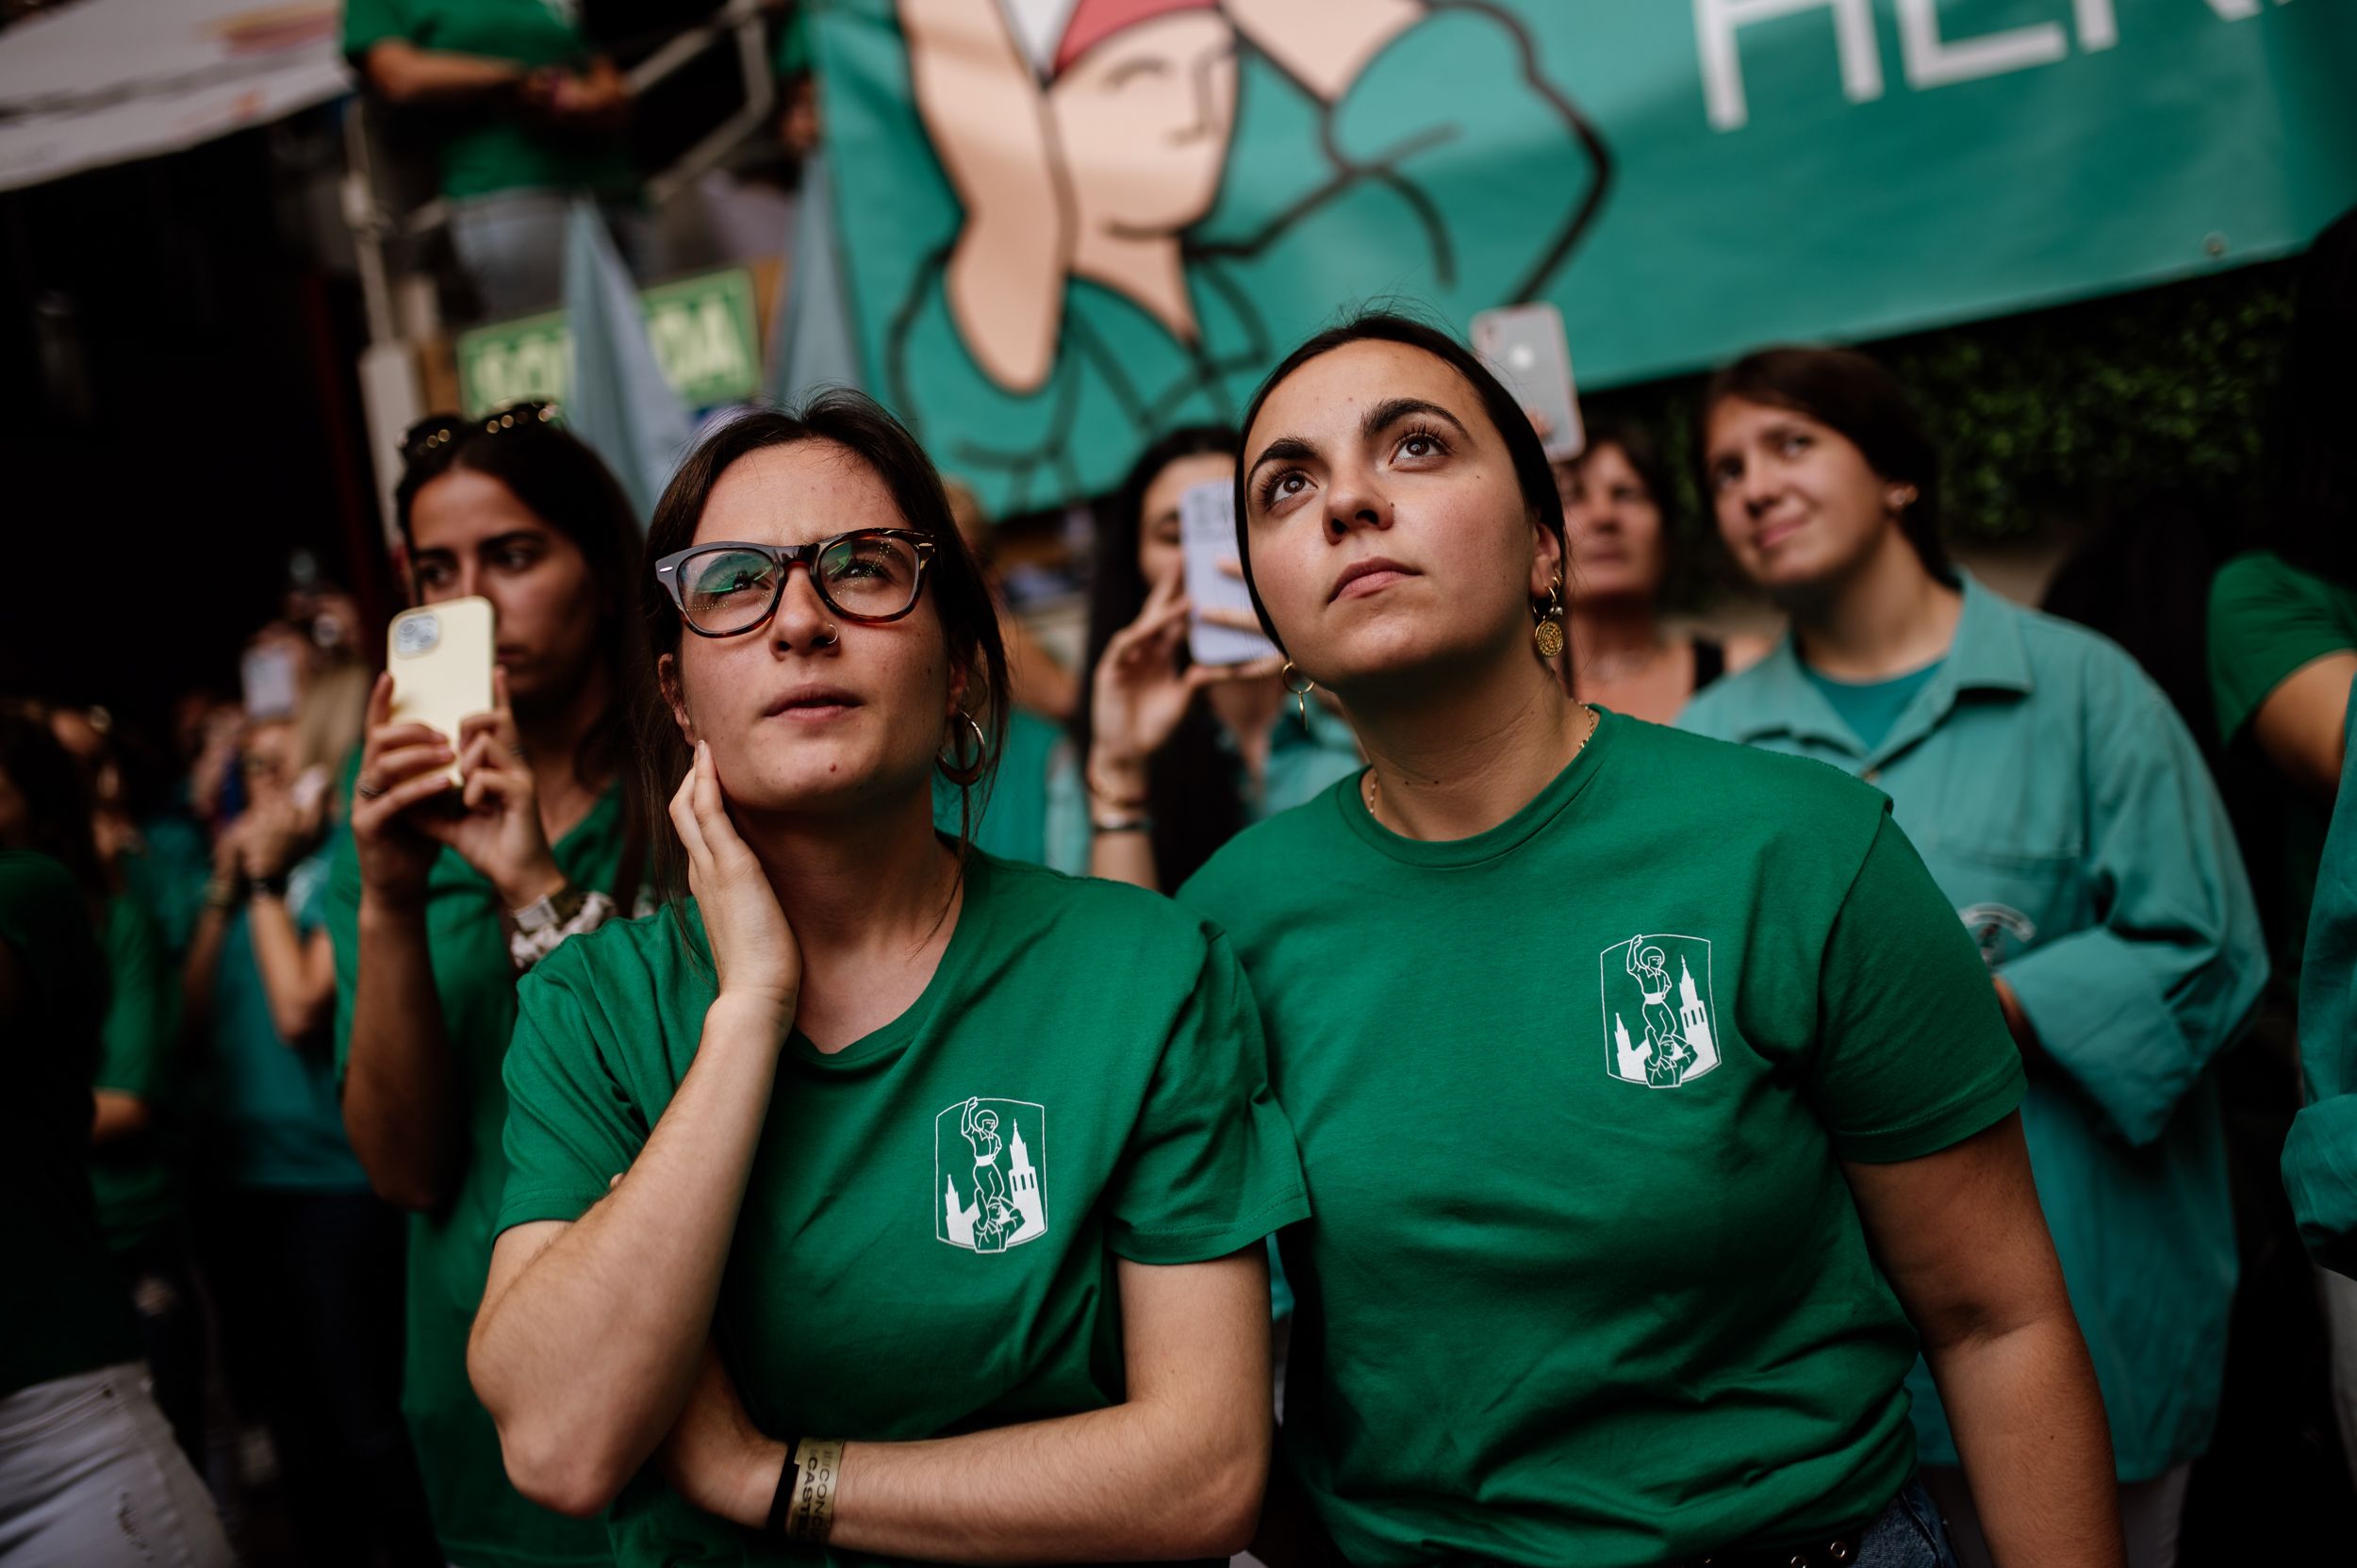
(342, 916)
(142, 1004)
(2135, 1006)
(2320, 1155)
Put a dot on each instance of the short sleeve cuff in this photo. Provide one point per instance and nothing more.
(1977, 1108)
(530, 1205)
(1201, 1243)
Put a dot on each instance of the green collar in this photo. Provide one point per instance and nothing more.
(1987, 656)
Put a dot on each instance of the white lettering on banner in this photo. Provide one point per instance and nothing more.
(1931, 62)
(1715, 24)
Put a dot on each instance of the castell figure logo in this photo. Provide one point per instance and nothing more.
(988, 1158)
(1660, 1023)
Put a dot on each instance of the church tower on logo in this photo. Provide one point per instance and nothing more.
(1694, 1020)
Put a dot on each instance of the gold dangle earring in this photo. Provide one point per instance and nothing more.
(1547, 635)
(1300, 693)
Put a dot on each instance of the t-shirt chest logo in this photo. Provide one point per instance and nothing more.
(989, 1156)
(1660, 1022)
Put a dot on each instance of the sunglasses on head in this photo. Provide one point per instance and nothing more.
(437, 431)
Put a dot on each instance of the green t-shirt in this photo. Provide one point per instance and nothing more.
(493, 149)
(61, 1307)
(482, 1520)
(1870, 708)
(280, 1127)
(936, 1209)
(2267, 619)
(1585, 1282)
(138, 1193)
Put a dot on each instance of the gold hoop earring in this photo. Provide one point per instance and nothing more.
(964, 771)
(1547, 634)
(1300, 694)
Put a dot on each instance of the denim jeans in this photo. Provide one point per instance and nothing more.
(1908, 1534)
(90, 1476)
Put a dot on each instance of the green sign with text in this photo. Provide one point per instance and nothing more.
(702, 330)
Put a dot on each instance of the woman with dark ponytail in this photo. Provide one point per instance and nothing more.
(443, 893)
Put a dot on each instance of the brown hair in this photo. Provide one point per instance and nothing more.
(1853, 393)
(954, 584)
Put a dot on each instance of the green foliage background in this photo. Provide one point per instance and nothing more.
(2066, 416)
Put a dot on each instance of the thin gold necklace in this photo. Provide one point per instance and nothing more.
(1372, 791)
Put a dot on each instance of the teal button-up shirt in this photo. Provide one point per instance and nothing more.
(2061, 805)
(2320, 1155)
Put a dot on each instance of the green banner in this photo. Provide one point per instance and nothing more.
(702, 330)
(1069, 225)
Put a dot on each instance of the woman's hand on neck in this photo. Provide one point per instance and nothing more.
(1884, 617)
(1457, 761)
(872, 896)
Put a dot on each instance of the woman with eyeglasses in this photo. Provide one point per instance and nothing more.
(1655, 1104)
(2066, 813)
(442, 892)
(847, 1189)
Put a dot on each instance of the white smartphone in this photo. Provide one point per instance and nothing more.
(440, 656)
(1524, 347)
(268, 676)
(1206, 531)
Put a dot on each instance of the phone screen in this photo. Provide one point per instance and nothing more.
(267, 677)
(1525, 348)
(1207, 530)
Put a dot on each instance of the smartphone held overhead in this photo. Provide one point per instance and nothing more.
(1207, 532)
(440, 657)
(1524, 347)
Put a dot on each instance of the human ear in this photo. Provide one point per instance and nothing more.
(675, 697)
(1546, 559)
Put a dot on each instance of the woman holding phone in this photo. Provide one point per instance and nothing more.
(1180, 756)
(441, 890)
(835, 1151)
(2065, 811)
(1654, 1071)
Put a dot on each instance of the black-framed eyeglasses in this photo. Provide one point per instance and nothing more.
(727, 588)
(436, 431)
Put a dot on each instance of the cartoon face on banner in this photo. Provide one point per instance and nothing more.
(1156, 198)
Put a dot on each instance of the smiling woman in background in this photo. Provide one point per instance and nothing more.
(2069, 819)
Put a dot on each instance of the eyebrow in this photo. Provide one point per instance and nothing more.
(1379, 419)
